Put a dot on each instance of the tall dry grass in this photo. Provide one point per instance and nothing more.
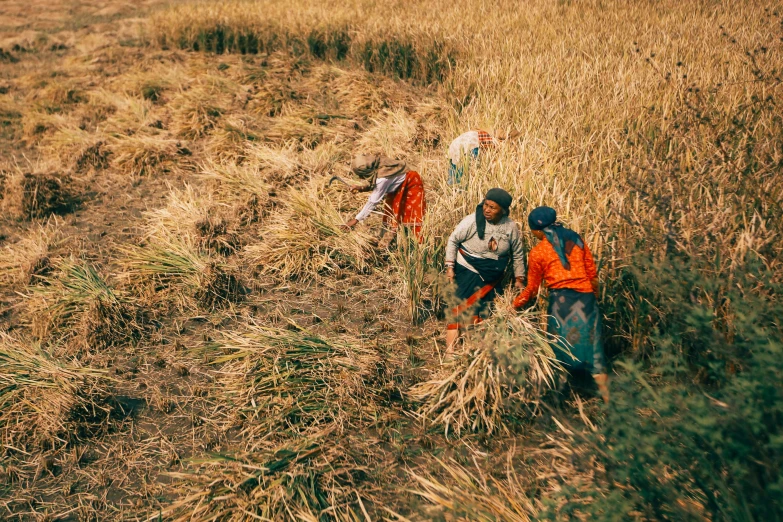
(650, 128)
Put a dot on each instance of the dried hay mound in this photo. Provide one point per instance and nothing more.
(233, 179)
(302, 129)
(295, 381)
(94, 157)
(504, 361)
(176, 266)
(196, 111)
(303, 238)
(313, 478)
(78, 306)
(215, 235)
(28, 261)
(471, 494)
(111, 322)
(124, 114)
(218, 288)
(44, 400)
(74, 146)
(195, 215)
(143, 154)
(298, 398)
(231, 136)
(39, 195)
(38, 125)
(279, 165)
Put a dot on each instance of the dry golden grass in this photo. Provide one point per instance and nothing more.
(41, 395)
(504, 364)
(25, 261)
(303, 239)
(313, 396)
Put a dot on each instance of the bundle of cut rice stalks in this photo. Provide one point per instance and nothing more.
(392, 135)
(142, 154)
(471, 494)
(40, 396)
(197, 110)
(83, 150)
(282, 382)
(311, 479)
(177, 264)
(76, 304)
(506, 363)
(233, 179)
(27, 260)
(303, 238)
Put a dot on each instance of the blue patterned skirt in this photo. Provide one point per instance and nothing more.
(576, 321)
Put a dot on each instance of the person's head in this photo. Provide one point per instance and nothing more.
(496, 204)
(365, 165)
(540, 218)
(373, 166)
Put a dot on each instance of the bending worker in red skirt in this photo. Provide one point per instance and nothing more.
(563, 260)
(402, 190)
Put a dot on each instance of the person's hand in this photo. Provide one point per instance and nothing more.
(519, 284)
(517, 304)
(356, 190)
(349, 224)
(450, 273)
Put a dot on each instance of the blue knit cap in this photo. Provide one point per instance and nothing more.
(541, 217)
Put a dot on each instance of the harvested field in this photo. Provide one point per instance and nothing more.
(188, 333)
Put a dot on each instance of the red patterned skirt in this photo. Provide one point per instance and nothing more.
(407, 205)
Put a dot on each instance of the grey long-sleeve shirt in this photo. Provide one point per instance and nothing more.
(505, 232)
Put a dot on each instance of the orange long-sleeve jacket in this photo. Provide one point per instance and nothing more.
(543, 264)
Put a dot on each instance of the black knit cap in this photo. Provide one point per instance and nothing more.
(501, 197)
(541, 217)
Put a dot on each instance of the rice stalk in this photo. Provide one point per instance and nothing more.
(176, 263)
(77, 304)
(28, 260)
(304, 238)
(143, 154)
(307, 479)
(196, 111)
(39, 396)
(232, 178)
(473, 494)
(506, 363)
(292, 382)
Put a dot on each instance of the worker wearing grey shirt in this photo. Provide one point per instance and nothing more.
(477, 255)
